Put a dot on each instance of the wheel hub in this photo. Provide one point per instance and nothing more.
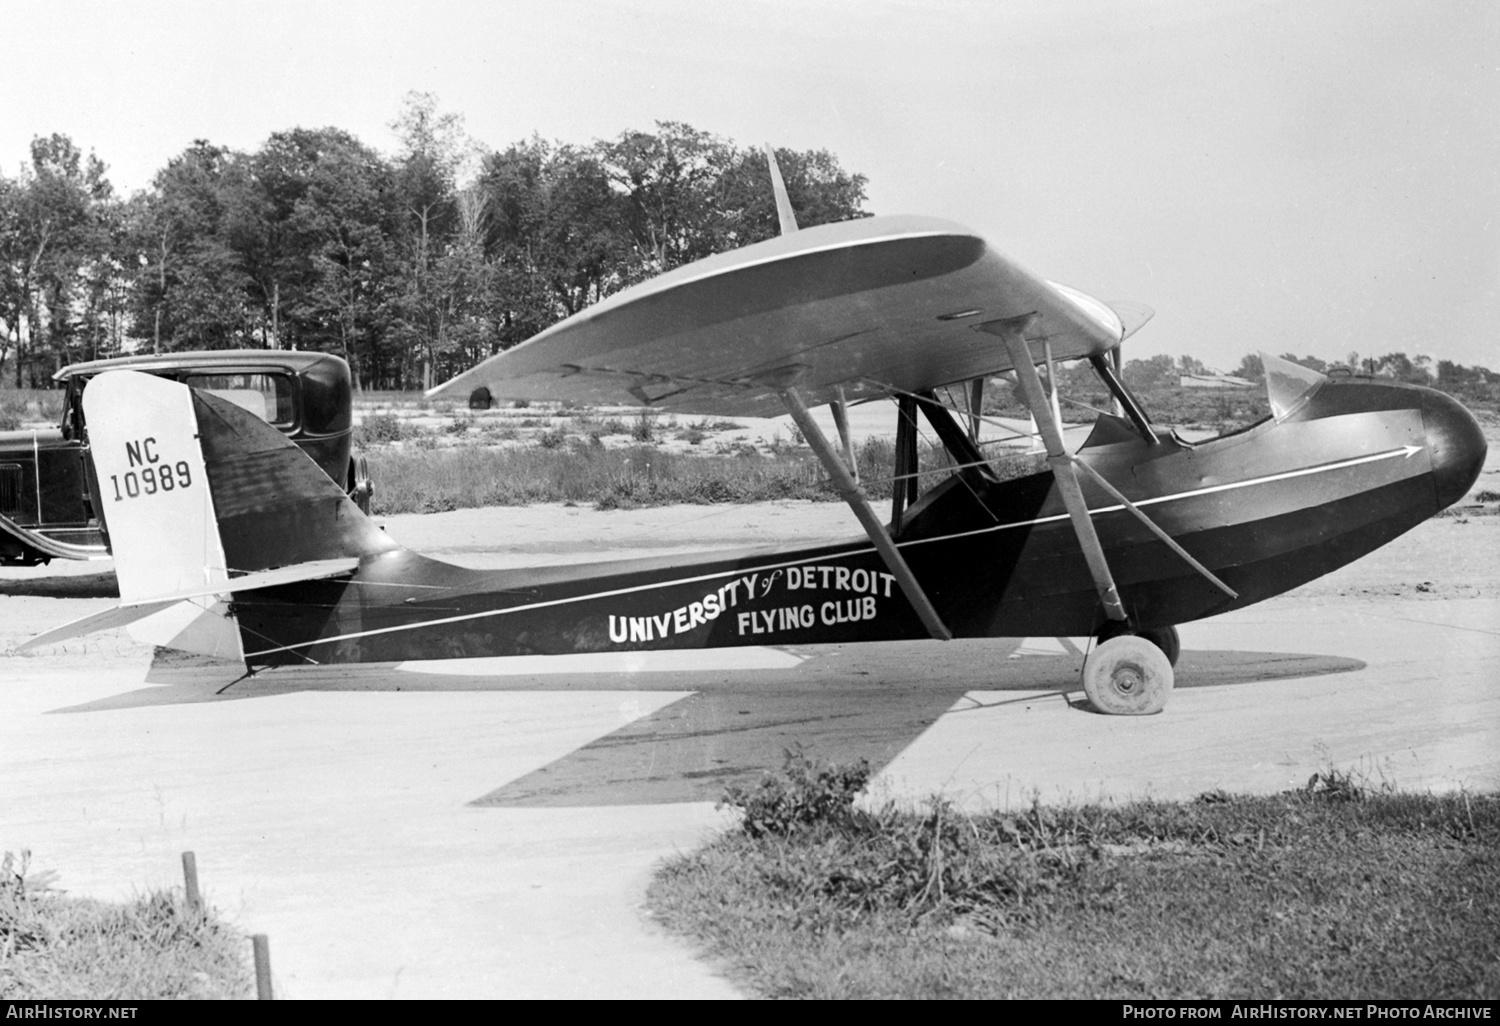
(1127, 679)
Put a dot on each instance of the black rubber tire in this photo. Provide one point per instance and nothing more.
(1166, 639)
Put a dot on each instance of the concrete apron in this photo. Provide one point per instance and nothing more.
(339, 823)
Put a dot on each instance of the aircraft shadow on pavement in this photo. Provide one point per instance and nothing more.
(841, 704)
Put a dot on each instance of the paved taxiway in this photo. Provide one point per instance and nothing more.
(404, 832)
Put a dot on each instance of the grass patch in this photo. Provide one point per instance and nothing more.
(1332, 890)
(438, 480)
(154, 947)
(592, 426)
(433, 480)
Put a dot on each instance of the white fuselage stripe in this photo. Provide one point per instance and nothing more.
(1268, 479)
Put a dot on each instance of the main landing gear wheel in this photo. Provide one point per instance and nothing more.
(1127, 676)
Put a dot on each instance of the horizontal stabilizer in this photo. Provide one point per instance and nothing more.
(314, 570)
(104, 620)
(128, 613)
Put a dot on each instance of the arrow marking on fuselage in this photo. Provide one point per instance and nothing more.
(1405, 452)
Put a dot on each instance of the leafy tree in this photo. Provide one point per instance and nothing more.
(1158, 371)
(555, 235)
(12, 264)
(689, 194)
(1310, 362)
(1250, 368)
(1405, 368)
(341, 225)
(667, 181)
(54, 228)
(191, 281)
(820, 191)
(1191, 365)
(434, 149)
(1452, 375)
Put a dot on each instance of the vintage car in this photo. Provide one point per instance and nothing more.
(46, 505)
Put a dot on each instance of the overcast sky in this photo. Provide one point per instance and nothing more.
(1310, 176)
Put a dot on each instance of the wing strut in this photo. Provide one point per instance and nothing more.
(905, 484)
(841, 421)
(1013, 333)
(1150, 524)
(976, 408)
(857, 501)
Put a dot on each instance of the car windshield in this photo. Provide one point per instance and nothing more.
(268, 396)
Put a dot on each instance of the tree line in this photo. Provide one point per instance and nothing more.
(1161, 371)
(418, 264)
(412, 266)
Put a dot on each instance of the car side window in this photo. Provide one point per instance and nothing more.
(267, 395)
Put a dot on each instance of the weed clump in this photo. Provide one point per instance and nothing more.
(552, 439)
(805, 794)
(21, 927)
(1336, 785)
(378, 429)
(644, 428)
(850, 863)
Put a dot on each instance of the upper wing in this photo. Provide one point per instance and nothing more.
(867, 305)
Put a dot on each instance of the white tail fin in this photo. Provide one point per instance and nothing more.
(153, 487)
(153, 496)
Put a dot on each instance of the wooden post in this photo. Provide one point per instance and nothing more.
(262, 946)
(190, 881)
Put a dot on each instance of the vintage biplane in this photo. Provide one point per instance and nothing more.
(229, 540)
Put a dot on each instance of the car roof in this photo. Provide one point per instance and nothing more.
(208, 360)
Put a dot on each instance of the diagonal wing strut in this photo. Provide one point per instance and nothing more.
(857, 501)
(1012, 332)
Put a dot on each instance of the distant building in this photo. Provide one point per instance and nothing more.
(1214, 381)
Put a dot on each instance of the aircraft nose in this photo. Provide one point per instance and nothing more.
(1456, 444)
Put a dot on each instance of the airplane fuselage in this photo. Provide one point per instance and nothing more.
(1266, 509)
